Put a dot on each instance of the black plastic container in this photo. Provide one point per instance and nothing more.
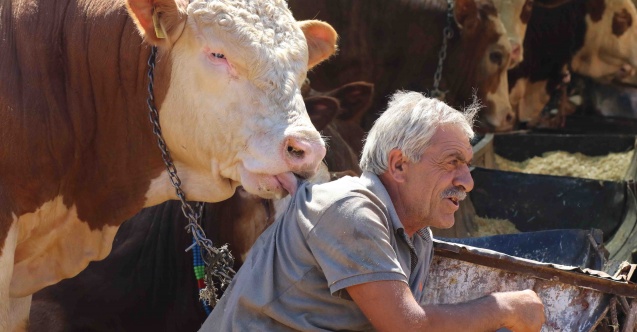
(536, 202)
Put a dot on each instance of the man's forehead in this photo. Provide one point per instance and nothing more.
(450, 134)
(451, 140)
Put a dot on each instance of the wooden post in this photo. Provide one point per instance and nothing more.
(631, 318)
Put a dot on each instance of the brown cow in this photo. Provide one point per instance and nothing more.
(395, 45)
(78, 153)
(147, 282)
(594, 38)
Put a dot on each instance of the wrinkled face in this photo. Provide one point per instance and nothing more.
(610, 45)
(493, 73)
(515, 15)
(435, 184)
(234, 110)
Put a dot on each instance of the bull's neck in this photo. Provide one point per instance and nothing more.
(81, 117)
(123, 156)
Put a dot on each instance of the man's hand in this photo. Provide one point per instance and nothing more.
(525, 311)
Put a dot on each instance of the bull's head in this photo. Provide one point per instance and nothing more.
(229, 95)
(483, 32)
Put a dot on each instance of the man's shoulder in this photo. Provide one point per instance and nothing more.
(339, 189)
(312, 201)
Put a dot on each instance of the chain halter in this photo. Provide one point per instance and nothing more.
(218, 261)
(447, 34)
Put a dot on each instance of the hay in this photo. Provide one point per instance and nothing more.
(487, 226)
(612, 167)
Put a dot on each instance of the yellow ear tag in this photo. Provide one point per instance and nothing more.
(159, 32)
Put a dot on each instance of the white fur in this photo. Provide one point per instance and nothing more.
(6, 271)
(53, 244)
(237, 126)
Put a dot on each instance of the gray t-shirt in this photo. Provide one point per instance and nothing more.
(332, 236)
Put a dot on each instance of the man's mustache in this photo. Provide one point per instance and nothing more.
(456, 192)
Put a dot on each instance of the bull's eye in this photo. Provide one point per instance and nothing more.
(496, 57)
(217, 58)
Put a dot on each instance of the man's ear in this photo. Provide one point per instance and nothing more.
(397, 165)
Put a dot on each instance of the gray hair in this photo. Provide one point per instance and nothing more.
(408, 124)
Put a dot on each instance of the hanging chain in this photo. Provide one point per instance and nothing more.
(447, 34)
(218, 261)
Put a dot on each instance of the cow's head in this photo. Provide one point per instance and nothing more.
(487, 49)
(232, 112)
(610, 44)
(515, 15)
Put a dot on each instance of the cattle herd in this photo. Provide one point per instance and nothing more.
(249, 96)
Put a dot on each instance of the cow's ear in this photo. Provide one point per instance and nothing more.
(321, 110)
(355, 99)
(465, 12)
(321, 40)
(157, 20)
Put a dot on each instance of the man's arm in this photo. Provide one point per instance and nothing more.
(390, 306)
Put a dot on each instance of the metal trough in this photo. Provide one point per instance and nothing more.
(573, 247)
(575, 299)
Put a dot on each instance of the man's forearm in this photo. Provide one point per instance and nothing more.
(518, 311)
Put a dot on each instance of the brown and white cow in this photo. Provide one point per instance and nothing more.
(395, 45)
(594, 38)
(78, 155)
(147, 282)
(515, 15)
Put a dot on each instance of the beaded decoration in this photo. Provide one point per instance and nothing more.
(198, 266)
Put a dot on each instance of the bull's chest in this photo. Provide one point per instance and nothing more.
(53, 244)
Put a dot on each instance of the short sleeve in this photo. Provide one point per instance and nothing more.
(352, 244)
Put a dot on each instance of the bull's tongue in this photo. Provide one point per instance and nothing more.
(288, 181)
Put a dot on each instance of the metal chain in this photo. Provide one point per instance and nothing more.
(218, 261)
(447, 34)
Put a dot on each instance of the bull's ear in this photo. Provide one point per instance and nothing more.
(321, 110)
(157, 20)
(355, 99)
(321, 40)
(465, 12)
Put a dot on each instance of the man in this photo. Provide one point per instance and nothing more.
(353, 254)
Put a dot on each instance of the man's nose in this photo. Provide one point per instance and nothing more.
(463, 179)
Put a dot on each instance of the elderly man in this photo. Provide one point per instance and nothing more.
(354, 254)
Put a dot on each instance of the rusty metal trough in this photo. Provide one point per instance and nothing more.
(575, 299)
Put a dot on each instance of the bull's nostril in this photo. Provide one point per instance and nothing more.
(509, 118)
(296, 153)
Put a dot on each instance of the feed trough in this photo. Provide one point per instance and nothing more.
(574, 299)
